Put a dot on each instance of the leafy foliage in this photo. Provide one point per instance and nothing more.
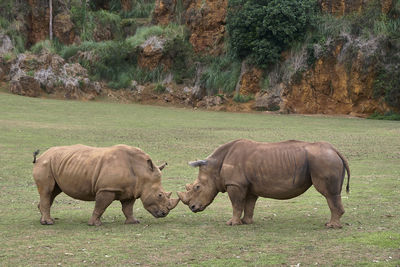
(220, 74)
(392, 116)
(261, 30)
(242, 98)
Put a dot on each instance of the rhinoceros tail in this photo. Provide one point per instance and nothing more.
(346, 165)
(34, 155)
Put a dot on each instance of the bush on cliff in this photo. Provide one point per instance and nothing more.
(262, 29)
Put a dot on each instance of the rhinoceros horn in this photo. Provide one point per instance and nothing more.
(188, 187)
(168, 194)
(182, 196)
(198, 163)
(172, 203)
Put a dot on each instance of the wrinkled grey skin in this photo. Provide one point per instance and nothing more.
(248, 170)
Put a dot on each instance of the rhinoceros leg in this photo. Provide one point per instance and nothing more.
(46, 200)
(127, 209)
(337, 210)
(249, 208)
(237, 195)
(103, 200)
(330, 187)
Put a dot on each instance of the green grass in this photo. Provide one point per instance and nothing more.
(284, 233)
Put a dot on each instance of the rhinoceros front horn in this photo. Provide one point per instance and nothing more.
(172, 203)
(182, 196)
(198, 163)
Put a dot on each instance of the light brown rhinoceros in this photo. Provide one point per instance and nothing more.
(248, 170)
(103, 175)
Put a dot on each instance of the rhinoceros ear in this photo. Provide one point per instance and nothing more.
(198, 163)
(162, 166)
(150, 165)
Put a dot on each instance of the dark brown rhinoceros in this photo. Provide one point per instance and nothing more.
(103, 175)
(248, 170)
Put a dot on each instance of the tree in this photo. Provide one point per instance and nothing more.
(261, 29)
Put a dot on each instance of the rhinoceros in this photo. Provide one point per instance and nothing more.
(103, 175)
(247, 170)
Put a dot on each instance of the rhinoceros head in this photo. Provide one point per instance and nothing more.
(203, 190)
(155, 200)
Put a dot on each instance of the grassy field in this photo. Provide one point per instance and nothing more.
(284, 233)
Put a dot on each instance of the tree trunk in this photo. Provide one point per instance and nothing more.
(51, 19)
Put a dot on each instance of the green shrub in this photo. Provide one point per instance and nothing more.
(242, 98)
(387, 116)
(387, 84)
(181, 52)
(30, 73)
(122, 81)
(261, 30)
(159, 88)
(220, 74)
(140, 9)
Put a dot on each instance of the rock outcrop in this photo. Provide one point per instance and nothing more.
(206, 20)
(39, 17)
(35, 75)
(249, 82)
(336, 85)
(64, 28)
(151, 54)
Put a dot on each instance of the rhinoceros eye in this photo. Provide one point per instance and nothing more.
(197, 187)
(159, 194)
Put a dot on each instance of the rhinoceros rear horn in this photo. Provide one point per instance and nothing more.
(161, 167)
(198, 163)
(188, 187)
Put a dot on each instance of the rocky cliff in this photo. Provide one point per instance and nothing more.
(340, 81)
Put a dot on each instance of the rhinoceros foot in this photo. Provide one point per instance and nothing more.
(94, 222)
(233, 221)
(333, 225)
(247, 220)
(49, 221)
(132, 221)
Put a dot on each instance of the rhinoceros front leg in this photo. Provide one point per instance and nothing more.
(237, 197)
(249, 209)
(103, 200)
(127, 209)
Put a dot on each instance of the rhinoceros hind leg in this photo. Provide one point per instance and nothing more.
(249, 209)
(103, 200)
(237, 196)
(46, 200)
(337, 210)
(127, 209)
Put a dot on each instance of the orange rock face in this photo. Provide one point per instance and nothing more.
(163, 12)
(332, 88)
(250, 80)
(343, 7)
(39, 21)
(206, 20)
